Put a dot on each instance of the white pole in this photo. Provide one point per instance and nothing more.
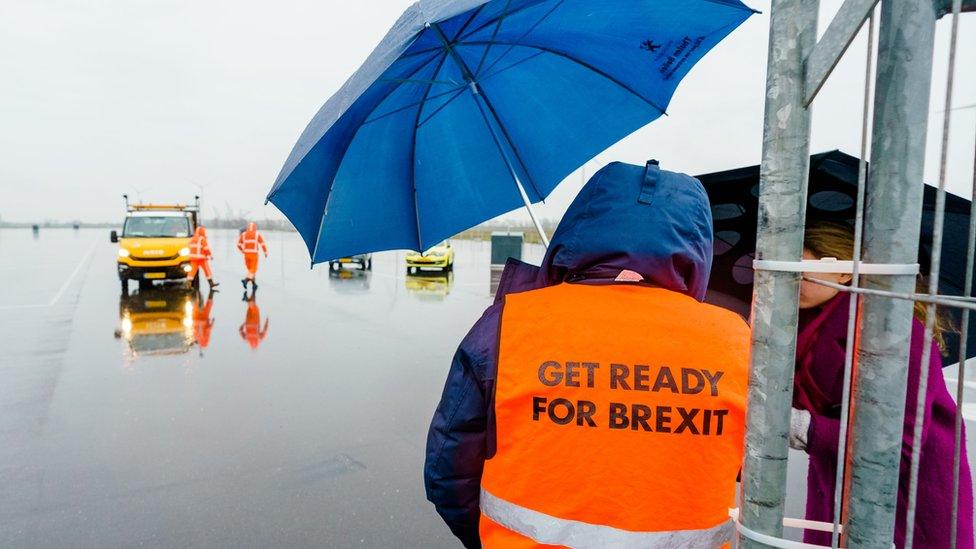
(528, 207)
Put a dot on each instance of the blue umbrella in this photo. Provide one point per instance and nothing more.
(468, 109)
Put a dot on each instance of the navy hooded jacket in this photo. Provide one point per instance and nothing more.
(637, 218)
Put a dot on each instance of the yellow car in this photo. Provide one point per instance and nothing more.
(154, 244)
(439, 257)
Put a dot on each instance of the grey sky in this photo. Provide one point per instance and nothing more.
(155, 98)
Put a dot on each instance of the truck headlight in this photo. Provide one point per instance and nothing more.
(124, 253)
(186, 268)
(184, 252)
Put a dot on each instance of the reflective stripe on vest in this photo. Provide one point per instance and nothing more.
(250, 245)
(550, 530)
(197, 249)
(619, 411)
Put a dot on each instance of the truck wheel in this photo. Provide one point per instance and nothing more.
(195, 284)
(369, 264)
(125, 285)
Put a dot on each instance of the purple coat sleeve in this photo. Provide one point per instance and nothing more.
(825, 431)
(458, 441)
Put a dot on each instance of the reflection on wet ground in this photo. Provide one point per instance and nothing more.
(251, 330)
(172, 417)
(161, 321)
(295, 415)
(434, 286)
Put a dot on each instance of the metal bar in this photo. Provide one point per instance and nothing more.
(836, 39)
(936, 264)
(782, 212)
(947, 301)
(845, 401)
(961, 382)
(892, 224)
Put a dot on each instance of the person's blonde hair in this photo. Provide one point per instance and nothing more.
(831, 239)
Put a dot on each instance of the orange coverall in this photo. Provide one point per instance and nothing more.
(200, 254)
(248, 243)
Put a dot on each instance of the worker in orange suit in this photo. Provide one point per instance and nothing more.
(200, 256)
(251, 330)
(599, 402)
(202, 321)
(248, 243)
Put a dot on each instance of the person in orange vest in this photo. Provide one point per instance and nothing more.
(599, 402)
(248, 243)
(251, 330)
(202, 321)
(200, 256)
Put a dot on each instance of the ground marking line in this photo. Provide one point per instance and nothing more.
(64, 287)
(74, 273)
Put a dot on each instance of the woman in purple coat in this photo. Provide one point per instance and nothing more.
(817, 390)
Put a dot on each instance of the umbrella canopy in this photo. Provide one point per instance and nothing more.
(468, 109)
(831, 196)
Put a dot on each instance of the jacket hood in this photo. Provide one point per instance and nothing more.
(637, 218)
(251, 227)
(200, 231)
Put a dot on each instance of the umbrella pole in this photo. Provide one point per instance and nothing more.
(511, 168)
(482, 102)
(528, 207)
(508, 164)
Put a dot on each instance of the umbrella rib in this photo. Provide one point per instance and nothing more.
(413, 157)
(328, 194)
(494, 33)
(524, 35)
(462, 29)
(418, 81)
(474, 16)
(512, 66)
(442, 107)
(466, 71)
(491, 21)
(411, 105)
(416, 53)
(274, 191)
(582, 64)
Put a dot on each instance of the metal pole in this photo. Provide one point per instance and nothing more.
(845, 402)
(937, 228)
(782, 212)
(961, 382)
(892, 223)
(528, 207)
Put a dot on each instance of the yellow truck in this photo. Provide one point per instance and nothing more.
(154, 244)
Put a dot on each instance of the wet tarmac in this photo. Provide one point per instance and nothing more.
(294, 417)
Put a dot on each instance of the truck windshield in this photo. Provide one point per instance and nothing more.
(153, 227)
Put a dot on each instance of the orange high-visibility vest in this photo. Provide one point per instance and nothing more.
(619, 415)
(199, 248)
(249, 241)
